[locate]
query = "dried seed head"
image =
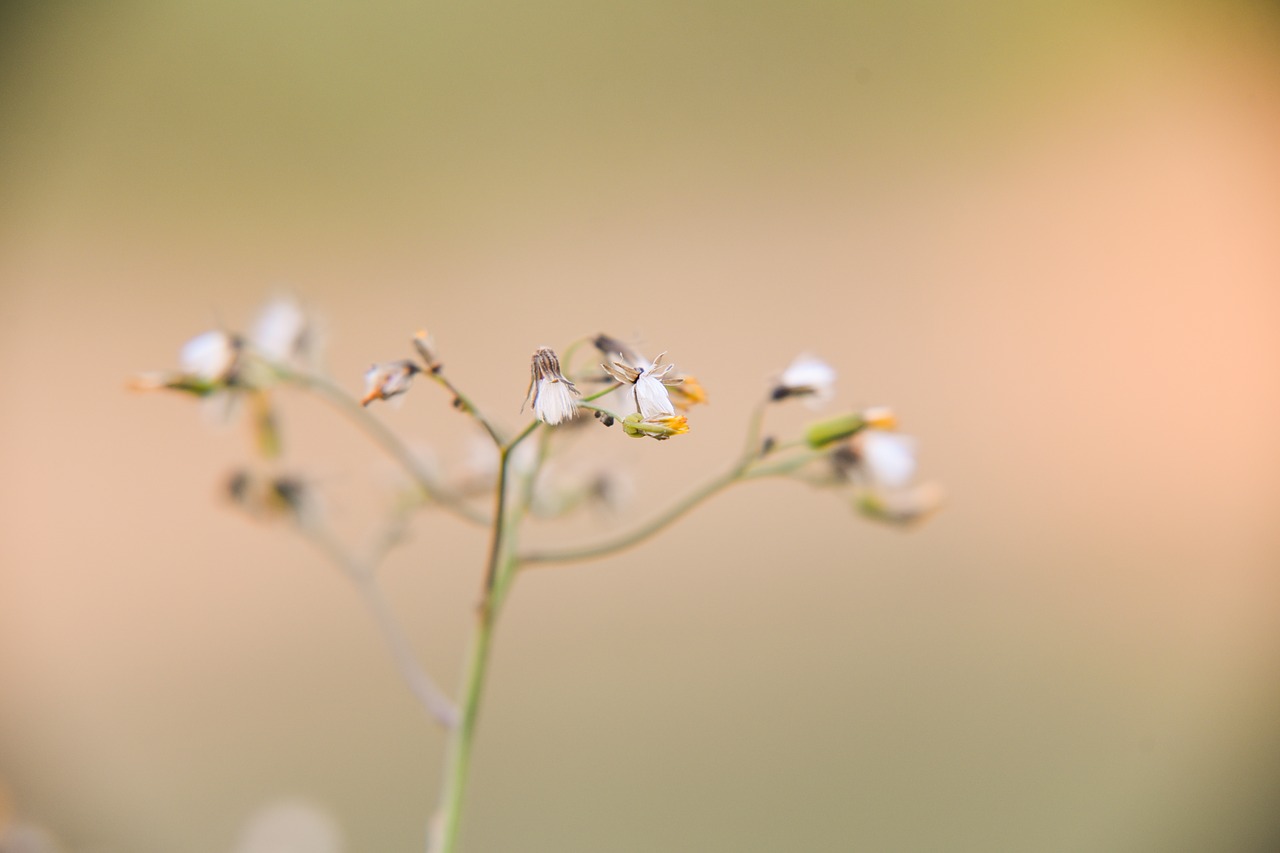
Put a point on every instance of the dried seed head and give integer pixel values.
(554, 398)
(387, 380)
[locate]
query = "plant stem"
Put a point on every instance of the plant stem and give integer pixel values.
(499, 572)
(444, 835)
(420, 684)
(463, 403)
(384, 437)
(361, 574)
(747, 468)
(641, 533)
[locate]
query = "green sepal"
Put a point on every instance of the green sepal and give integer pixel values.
(826, 432)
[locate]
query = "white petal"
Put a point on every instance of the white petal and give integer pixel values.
(809, 375)
(890, 458)
(910, 504)
(652, 398)
(279, 330)
(209, 356)
(554, 402)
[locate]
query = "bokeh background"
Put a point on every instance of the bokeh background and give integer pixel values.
(1048, 234)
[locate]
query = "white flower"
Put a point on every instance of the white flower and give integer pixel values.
(386, 380)
(807, 376)
(281, 331)
(901, 506)
(555, 399)
(888, 458)
(290, 826)
(648, 387)
(210, 356)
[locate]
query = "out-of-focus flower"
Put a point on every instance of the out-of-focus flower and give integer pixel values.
(210, 357)
(882, 465)
(612, 348)
(648, 386)
(688, 393)
(614, 490)
(426, 347)
(281, 333)
(290, 826)
(554, 398)
(807, 376)
(388, 379)
(888, 458)
(901, 506)
(661, 428)
(269, 497)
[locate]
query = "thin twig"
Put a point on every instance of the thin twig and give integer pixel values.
(362, 576)
(463, 402)
(385, 438)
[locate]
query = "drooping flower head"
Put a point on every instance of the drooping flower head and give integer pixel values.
(554, 398)
(807, 376)
(388, 379)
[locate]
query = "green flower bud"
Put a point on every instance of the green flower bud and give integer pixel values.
(826, 432)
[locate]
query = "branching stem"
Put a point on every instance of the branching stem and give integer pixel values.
(384, 437)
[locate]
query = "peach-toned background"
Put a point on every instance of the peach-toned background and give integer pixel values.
(1050, 239)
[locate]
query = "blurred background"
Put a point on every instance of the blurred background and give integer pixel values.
(1048, 234)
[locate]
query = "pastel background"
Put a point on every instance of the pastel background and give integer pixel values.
(1048, 234)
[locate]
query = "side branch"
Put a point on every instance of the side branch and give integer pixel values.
(641, 533)
(361, 575)
(385, 438)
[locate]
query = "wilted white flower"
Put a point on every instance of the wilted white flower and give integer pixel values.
(648, 387)
(554, 398)
(684, 389)
(210, 356)
(807, 376)
(386, 380)
(281, 332)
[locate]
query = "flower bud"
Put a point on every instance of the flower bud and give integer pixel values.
(827, 432)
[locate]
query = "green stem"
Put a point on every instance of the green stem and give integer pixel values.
(746, 469)
(444, 835)
(464, 404)
(498, 575)
(641, 533)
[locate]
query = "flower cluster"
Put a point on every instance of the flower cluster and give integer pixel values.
(863, 447)
(512, 480)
